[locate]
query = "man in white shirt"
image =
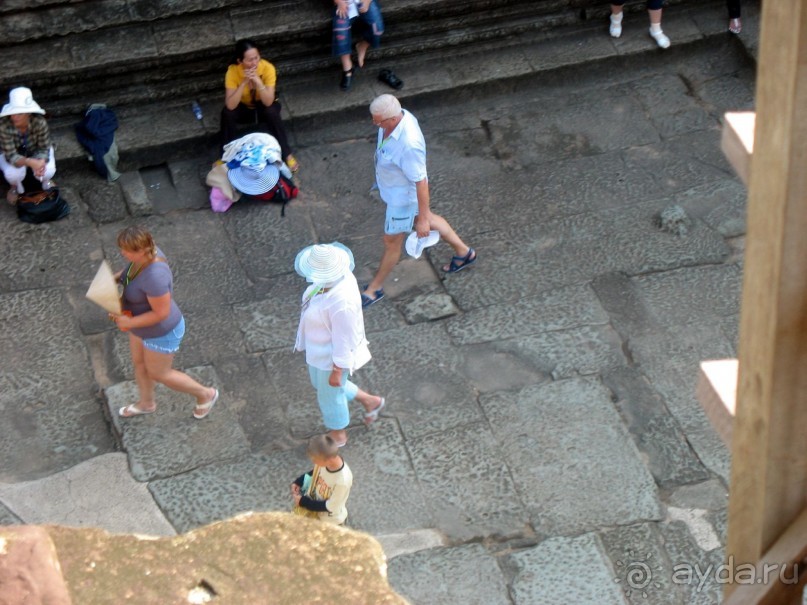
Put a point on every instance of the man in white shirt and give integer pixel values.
(400, 172)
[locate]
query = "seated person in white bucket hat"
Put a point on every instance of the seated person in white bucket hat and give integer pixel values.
(24, 143)
(331, 332)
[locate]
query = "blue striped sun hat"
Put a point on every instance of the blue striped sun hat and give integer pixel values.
(253, 182)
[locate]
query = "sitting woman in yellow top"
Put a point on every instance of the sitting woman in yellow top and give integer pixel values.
(249, 92)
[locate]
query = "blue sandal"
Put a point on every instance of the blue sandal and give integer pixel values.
(458, 263)
(366, 301)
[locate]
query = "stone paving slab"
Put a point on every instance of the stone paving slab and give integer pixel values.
(172, 441)
(43, 256)
(97, 493)
(642, 569)
(387, 495)
(395, 545)
(557, 437)
(48, 369)
(578, 351)
(721, 205)
(462, 575)
(558, 309)
(7, 517)
(675, 297)
(469, 486)
(560, 253)
(426, 393)
(564, 570)
(257, 482)
(654, 429)
(670, 359)
(693, 569)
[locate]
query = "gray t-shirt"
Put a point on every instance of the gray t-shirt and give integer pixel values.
(154, 280)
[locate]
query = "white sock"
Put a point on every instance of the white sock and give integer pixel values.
(616, 19)
(655, 28)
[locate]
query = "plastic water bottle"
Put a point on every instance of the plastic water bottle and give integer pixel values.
(197, 110)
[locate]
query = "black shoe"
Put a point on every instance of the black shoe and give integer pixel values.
(390, 79)
(347, 80)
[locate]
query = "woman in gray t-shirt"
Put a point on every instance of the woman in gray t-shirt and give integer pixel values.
(155, 325)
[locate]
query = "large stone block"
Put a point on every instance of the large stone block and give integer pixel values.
(564, 570)
(272, 558)
(558, 437)
(460, 575)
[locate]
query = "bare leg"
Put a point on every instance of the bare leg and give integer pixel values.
(369, 402)
(655, 16)
(158, 366)
(361, 51)
(145, 385)
(347, 62)
(392, 253)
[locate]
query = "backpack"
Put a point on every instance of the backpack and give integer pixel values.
(283, 192)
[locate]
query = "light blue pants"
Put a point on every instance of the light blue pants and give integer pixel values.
(333, 400)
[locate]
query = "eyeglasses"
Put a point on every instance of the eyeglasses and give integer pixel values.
(380, 122)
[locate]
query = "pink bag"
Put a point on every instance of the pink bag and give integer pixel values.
(218, 201)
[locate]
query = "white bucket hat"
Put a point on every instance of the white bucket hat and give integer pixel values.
(416, 245)
(324, 263)
(253, 182)
(20, 100)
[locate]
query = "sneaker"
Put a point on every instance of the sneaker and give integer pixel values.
(662, 40)
(615, 29)
(735, 25)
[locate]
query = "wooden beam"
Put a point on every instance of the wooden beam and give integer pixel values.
(769, 444)
(717, 393)
(778, 579)
(737, 141)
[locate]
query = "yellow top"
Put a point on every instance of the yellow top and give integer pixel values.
(235, 75)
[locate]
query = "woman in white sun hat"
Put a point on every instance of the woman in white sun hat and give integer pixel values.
(331, 332)
(24, 143)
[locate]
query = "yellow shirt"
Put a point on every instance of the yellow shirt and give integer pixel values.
(235, 75)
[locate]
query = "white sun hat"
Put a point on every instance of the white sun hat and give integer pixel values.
(20, 100)
(416, 245)
(324, 263)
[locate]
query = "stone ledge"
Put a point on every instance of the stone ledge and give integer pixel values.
(254, 558)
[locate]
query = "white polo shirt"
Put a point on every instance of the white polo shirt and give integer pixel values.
(400, 162)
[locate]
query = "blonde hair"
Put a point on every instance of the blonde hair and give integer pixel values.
(135, 239)
(322, 446)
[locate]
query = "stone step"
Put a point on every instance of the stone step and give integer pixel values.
(146, 51)
(155, 132)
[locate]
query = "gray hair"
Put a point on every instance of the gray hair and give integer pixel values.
(385, 106)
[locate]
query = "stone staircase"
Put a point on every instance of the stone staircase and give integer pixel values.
(149, 59)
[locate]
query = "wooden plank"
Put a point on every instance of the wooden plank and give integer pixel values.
(769, 457)
(783, 582)
(737, 141)
(717, 393)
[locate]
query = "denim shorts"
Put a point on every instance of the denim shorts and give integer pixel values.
(167, 343)
(400, 219)
(372, 27)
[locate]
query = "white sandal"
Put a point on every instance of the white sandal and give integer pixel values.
(205, 407)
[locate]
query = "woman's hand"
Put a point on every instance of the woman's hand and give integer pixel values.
(253, 77)
(295, 490)
(124, 322)
(37, 166)
(341, 8)
(364, 6)
(335, 379)
(296, 498)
